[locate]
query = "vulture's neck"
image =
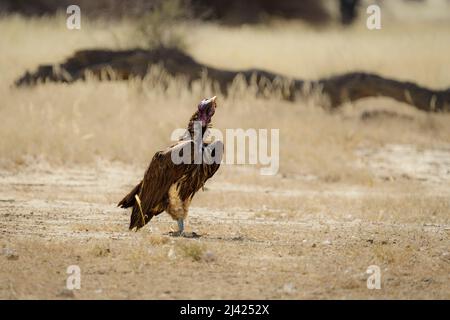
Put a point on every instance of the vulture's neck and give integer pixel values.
(190, 127)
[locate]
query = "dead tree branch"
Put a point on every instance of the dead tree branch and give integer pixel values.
(339, 89)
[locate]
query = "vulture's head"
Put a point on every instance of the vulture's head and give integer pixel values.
(206, 109)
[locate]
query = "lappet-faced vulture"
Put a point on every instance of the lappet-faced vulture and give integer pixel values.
(177, 173)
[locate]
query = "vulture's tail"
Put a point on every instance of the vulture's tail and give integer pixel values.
(130, 200)
(138, 219)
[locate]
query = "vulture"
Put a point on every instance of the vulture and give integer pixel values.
(177, 173)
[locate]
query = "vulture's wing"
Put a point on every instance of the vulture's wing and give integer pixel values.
(210, 169)
(196, 175)
(160, 175)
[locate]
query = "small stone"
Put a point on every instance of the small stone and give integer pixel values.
(209, 256)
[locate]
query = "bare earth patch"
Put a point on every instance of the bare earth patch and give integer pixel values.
(284, 237)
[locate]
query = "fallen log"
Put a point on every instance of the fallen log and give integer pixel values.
(122, 65)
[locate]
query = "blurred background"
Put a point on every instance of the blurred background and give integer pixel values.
(233, 12)
(304, 39)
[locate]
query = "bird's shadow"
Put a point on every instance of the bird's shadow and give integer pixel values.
(206, 236)
(188, 235)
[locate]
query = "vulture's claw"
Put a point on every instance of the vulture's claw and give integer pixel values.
(191, 235)
(176, 233)
(184, 234)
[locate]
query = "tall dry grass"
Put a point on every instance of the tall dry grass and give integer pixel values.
(129, 121)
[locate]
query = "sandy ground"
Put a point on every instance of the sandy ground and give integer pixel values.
(281, 237)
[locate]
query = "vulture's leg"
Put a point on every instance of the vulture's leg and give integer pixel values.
(185, 234)
(180, 225)
(180, 231)
(176, 210)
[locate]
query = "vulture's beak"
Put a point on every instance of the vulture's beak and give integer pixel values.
(212, 101)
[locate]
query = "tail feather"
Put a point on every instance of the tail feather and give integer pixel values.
(130, 200)
(138, 219)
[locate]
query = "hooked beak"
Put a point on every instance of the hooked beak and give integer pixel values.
(212, 101)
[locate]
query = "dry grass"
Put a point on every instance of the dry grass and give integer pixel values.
(193, 250)
(80, 123)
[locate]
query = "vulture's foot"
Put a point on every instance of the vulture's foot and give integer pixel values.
(184, 234)
(176, 233)
(191, 235)
(181, 232)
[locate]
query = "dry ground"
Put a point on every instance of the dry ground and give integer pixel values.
(278, 237)
(354, 189)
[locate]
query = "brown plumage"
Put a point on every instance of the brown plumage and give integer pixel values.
(170, 187)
